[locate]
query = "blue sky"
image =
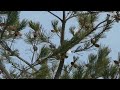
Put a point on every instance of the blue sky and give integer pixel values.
(45, 19)
(111, 40)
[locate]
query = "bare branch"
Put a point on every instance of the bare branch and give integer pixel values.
(55, 15)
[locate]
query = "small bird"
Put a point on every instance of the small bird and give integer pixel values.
(87, 65)
(66, 56)
(74, 65)
(53, 31)
(94, 43)
(116, 62)
(35, 34)
(35, 48)
(52, 46)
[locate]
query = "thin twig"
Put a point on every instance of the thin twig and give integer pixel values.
(12, 42)
(26, 62)
(71, 17)
(58, 35)
(55, 15)
(32, 57)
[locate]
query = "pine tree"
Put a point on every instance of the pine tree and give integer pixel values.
(84, 37)
(99, 65)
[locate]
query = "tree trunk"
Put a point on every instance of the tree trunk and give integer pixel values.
(58, 73)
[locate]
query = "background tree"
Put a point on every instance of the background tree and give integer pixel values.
(44, 51)
(98, 65)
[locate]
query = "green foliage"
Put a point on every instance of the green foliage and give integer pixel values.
(65, 74)
(12, 17)
(44, 72)
(84, 38)
(22, 25)
(29, 39)
(86, 21)
(44, 52)
(110, 72)
(38, 35)
(55, 25)
(72, 30)
(98, 66)
(78, 74)
(35, 26)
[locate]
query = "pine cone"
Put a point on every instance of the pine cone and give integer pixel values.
(17, 34)
(11, 28)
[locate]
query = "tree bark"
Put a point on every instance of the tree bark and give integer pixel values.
(58, 73)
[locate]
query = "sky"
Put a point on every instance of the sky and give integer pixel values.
(45, 19)
(111, 40)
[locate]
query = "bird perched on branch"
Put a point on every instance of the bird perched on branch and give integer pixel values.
(93, 41)
(52, 46)
(35, 48)
(117, 62)
(74, 65)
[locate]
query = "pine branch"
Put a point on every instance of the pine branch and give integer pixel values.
(26, 62)
(81, 38)
(5, 46)
(67, 48)
(3, 31)
(2, 68)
